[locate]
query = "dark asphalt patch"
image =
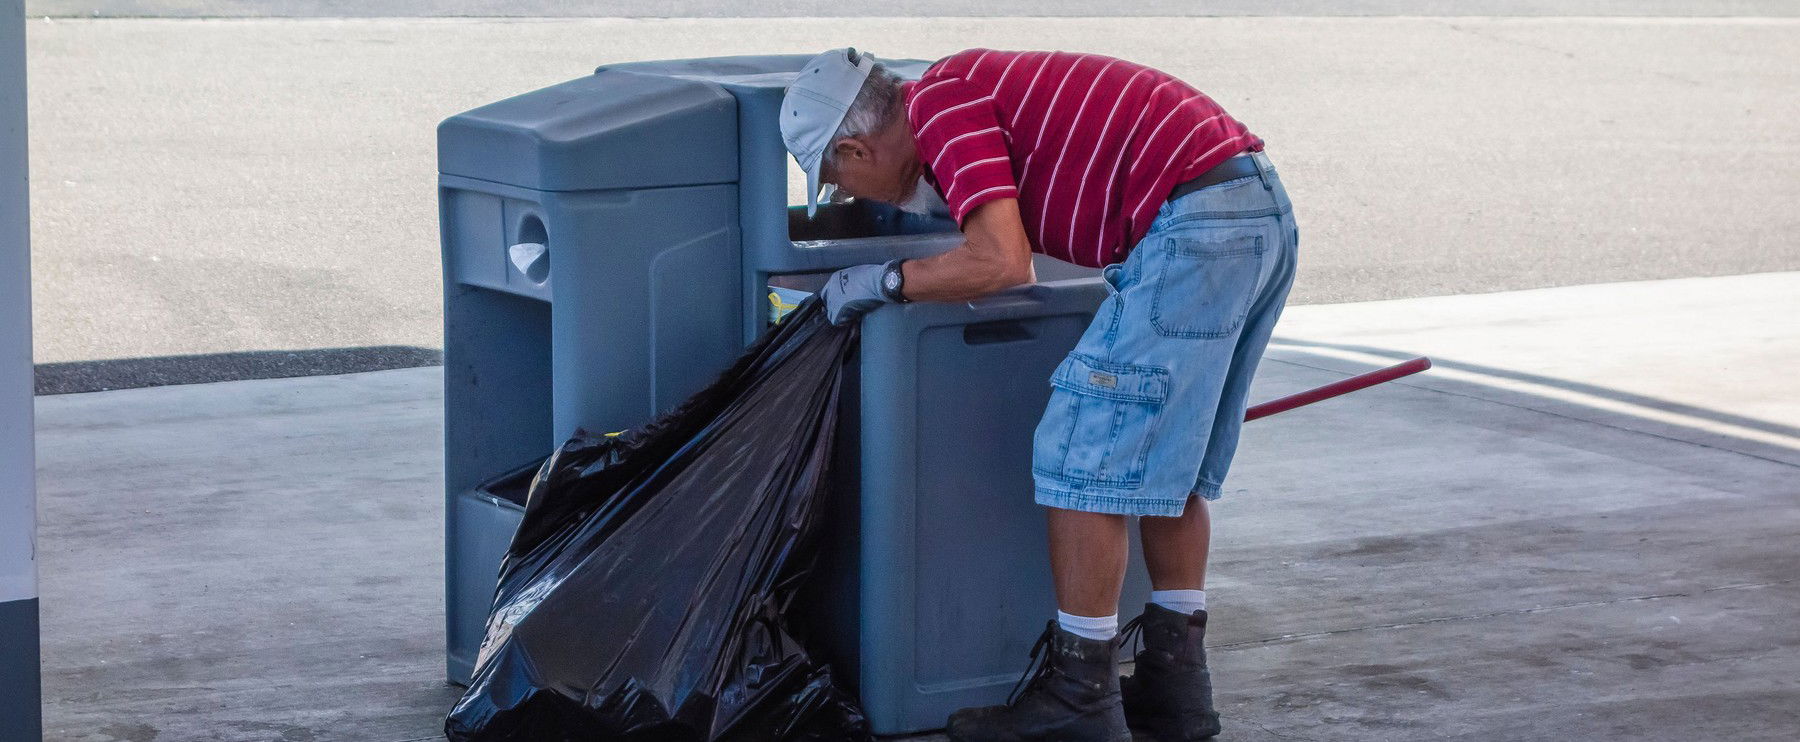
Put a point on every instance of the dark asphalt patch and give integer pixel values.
(132, 373)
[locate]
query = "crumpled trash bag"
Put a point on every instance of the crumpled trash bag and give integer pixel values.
(642, 596)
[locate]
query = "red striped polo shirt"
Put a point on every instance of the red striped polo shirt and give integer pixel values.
(1090, 145)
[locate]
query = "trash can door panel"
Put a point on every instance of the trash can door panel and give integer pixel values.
(649, 304)
(473, 238)
(983, 580)
(954, 561)
(481, 525)
(690, 347)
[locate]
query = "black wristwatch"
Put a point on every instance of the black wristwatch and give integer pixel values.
(893, 282)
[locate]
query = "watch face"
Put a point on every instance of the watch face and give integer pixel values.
(891, 280)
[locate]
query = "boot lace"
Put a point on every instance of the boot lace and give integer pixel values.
(1133, 634)
(1037, 670)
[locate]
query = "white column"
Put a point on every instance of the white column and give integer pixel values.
(19, 683)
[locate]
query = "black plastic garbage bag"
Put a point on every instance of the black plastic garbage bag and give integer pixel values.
(642, 597)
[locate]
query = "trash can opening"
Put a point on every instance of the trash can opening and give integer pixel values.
(787, 291)
(514, 485)
(530, 250)
(853, 219)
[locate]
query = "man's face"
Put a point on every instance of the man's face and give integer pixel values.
(882, 167)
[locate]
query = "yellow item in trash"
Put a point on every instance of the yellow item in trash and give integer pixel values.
(782, 301)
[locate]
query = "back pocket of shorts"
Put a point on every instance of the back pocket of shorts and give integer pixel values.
(1099, 423)
(1207, 282)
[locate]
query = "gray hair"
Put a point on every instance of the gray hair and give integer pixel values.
(875, 106)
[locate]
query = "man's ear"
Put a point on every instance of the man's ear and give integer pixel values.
(850, 148)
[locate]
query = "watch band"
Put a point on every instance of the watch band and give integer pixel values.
(893, 282)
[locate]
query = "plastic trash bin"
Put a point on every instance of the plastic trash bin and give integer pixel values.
(651, 203)
(935, 580)
(607, 247)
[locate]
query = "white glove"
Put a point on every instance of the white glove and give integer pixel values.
(853, 291)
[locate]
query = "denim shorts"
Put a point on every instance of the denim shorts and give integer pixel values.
(1145, 411)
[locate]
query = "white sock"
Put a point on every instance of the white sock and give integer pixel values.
(1180, 601)
(1092, 627)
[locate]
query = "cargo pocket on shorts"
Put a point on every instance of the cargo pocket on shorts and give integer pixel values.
(1207, 282)
(1099, 423)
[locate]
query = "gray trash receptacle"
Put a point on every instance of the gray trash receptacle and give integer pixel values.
(608, 243)
(936, 577)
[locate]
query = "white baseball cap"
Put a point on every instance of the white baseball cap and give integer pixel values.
(814, 108)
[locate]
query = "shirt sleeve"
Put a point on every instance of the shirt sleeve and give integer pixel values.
(956, 127)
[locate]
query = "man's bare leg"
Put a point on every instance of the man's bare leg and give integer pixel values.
(1170, 689)
(1175, 548)
(1088, 552)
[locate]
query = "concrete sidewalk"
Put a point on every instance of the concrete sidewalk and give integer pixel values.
(1581, 526)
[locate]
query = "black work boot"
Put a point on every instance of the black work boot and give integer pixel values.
(1073, 697)
(1170, 692)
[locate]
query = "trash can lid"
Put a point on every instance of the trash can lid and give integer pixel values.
(631, 125)
(613, 129)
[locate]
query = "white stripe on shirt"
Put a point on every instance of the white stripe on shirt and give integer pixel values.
(959, 171)
(1148, 196)
(962, 206)
(922, 89)
(971, 73)
(934, 117)
(1030, 87)
(1074, 125)
(1082, 191)
(1024, 173)
(1140, 158)
(953, 140)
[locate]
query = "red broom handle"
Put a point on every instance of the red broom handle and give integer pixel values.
(1346, 386)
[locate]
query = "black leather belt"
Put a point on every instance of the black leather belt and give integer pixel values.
(1237, 166)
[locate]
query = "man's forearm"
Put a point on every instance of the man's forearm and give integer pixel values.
(962, 274)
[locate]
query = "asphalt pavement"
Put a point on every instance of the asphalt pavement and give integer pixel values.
(232, 198)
